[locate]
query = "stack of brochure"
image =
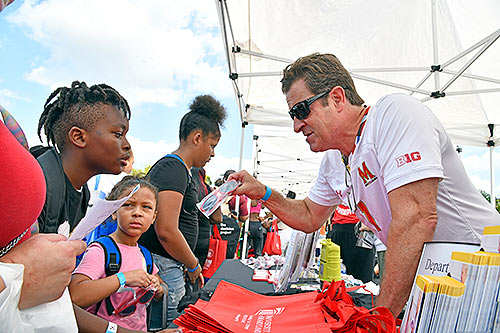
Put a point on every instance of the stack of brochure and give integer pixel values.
(491, 239)
(434, 304)
(479, 272)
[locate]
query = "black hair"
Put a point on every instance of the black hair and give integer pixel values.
(227, 174)
(129, 182)
(77, 106)
(205, 113)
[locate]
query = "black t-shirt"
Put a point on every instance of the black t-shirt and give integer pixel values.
(74, 206)
(229, 230)
(204, 226)
(170, 174)
(76, 203)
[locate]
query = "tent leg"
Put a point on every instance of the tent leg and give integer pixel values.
(240, 165)
(492, 177)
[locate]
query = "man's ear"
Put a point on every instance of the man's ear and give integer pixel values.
(78, 136)
(113, 216)
(337, 94)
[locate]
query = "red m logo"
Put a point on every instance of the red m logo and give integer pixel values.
(365, 174)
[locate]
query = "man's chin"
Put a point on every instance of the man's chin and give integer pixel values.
(316, 148)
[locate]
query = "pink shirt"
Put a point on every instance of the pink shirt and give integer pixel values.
(92, 265)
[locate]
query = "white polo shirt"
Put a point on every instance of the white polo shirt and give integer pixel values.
(403, 142)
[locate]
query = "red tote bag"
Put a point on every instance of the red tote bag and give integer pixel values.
(273, 240)
(217, 249)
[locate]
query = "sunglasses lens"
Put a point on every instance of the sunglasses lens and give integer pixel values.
(127, 311)
(301, 111)
(146, 297)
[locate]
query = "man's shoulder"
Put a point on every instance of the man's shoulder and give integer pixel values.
(396, 103)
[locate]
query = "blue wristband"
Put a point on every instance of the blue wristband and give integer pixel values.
(121, 278)
(194, 269)
(267, 195)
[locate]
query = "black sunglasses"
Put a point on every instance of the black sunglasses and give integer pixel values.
(301, 110)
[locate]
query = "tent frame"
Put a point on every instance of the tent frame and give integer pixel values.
(440, 90)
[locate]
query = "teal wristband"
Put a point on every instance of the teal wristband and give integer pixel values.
(267, 195)
(121, 278)
(194, 269)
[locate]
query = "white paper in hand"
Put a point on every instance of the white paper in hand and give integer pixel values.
(97, 214)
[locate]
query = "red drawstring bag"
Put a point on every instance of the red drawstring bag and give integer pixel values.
(343, 316)
(273, 240)
(217, 249)
(235, 309)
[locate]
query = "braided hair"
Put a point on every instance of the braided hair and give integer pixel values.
(77, 106)
(206, 113)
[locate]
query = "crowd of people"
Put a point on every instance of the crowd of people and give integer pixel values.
(160, 239)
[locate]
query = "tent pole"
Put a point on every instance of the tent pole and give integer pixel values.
(492, 177)
(435, 43)
(240, 165)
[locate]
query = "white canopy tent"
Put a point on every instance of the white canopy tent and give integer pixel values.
(443, 52)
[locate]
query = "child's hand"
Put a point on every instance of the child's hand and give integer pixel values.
(138, 278)
(157, 286)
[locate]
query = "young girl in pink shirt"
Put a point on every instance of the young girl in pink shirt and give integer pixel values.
(90, 286)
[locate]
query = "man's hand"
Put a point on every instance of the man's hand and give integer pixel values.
(250, 186)
(49, 260)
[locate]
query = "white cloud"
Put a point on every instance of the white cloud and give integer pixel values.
(7, 97)
(148, 50)
(477, 165)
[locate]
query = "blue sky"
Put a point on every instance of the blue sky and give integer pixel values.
(159, 54)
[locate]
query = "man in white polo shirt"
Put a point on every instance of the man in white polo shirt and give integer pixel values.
(398, 171)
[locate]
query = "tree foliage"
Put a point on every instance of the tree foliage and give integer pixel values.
(143, 172)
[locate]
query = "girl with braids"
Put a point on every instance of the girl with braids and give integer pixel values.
(86, 127)
(172, 238)
(93, 288)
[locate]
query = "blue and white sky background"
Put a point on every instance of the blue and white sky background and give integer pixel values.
(159, 54)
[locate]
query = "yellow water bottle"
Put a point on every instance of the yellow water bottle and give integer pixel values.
(329, 266)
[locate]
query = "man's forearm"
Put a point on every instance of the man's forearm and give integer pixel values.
(404, 247)
(294, 213)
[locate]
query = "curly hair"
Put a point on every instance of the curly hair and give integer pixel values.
(206, 113)
(129, 182)
(320, 72)
(77, 106)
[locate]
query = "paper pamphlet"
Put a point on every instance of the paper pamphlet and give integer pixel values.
(97, 214)
(214, 199)
(435, 261)
(434, 304)
(490, 241)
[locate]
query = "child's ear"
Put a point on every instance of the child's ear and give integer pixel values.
(154, 217)
(77, 136)
(197, 137)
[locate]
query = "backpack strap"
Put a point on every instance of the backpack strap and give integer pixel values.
(112, 255)
(53, 171)
(112, 264)
(148, 257)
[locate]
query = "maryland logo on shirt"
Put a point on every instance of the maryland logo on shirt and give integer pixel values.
(366, 175)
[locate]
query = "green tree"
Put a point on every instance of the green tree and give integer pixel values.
(136, 172)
